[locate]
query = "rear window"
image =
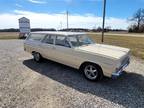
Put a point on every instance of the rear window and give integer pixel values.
(36, 37)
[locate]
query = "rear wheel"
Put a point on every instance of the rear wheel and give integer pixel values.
(37, 57)
(92, 72)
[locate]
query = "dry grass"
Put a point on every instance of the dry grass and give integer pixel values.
(120, 34)
(136, 44)
(8, 35)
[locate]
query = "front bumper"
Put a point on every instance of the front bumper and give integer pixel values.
(120, 71)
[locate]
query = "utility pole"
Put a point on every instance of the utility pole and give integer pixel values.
(67, 20)
(103, 25)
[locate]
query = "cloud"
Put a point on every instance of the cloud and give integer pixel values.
(48, 20)
(18, 5)
(37, 1)
(22, 12)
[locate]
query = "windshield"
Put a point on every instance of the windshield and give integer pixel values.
(80, 40)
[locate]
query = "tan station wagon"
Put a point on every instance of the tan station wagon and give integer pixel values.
(77, 50)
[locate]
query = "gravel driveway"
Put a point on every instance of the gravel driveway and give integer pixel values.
(26, 84)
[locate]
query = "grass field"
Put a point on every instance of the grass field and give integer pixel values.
(136, 44)
(120, 34)
(9, 35)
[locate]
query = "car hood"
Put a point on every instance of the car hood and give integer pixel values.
(106, 50)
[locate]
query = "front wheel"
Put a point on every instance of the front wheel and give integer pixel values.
(92, 72)
(37, 57)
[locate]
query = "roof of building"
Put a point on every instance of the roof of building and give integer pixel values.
(23, 18)
(59, 33)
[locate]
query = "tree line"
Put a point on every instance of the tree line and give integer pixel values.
(33, 29)
(99, 29)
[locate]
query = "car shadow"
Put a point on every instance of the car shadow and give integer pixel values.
(127, 90)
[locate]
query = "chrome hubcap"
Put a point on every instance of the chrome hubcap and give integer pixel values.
(91, 72)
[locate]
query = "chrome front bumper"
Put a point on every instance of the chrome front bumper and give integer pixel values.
(120, 71)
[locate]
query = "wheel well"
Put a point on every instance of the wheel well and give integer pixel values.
(87, 62)
(33, 52)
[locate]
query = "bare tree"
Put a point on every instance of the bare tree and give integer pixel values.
(138, 18)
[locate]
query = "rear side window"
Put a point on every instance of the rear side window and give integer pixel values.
(62, 41)
(49, 39)
(36, 37)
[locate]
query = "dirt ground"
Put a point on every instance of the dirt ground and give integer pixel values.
(27, 84)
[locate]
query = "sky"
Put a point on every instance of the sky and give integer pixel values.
(82, 13)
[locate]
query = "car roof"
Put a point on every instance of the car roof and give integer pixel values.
(58, 33)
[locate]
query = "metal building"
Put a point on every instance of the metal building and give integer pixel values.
(24, 27)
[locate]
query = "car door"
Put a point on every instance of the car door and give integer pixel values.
(48, 46)
(64, 52)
